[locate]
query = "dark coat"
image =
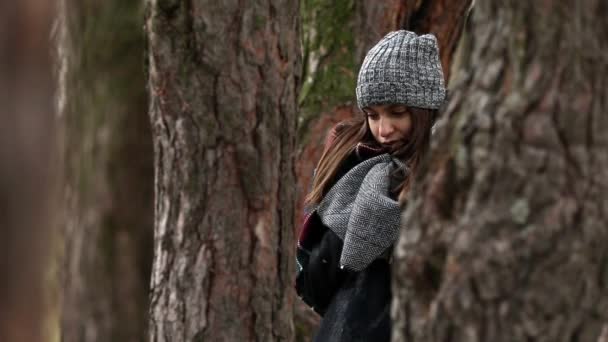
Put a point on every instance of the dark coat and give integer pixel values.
(355, 306)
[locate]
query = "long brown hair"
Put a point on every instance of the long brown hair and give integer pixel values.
(350, 133)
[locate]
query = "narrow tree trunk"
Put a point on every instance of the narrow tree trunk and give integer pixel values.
(109, 169)
(223, 79)
(28, 170)
(505, 236)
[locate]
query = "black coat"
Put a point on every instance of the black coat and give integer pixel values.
(355, 306)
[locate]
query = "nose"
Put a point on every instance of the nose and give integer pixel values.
(386, 128)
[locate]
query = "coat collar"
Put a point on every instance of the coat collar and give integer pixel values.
(365, 151)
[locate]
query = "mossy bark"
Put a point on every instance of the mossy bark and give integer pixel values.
(108, 170)
(504, 234)
(223, 82)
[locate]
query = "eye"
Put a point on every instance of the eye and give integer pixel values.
(372, 116)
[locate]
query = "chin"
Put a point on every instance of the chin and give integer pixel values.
(394, 144)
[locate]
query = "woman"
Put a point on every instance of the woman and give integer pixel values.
(361, 181)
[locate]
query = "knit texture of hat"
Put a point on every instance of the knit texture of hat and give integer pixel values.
(403, 68)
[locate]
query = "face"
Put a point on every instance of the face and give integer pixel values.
(389, 123)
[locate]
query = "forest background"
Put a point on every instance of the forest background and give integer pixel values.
(154, 155)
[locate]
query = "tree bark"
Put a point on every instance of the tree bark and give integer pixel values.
(505, 231)
(223, 81)
(108, 171)
(443, 18)
(28, 170)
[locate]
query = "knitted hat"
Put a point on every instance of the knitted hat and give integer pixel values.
(402, 68)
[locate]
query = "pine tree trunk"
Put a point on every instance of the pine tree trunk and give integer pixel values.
(109, 171)
(504, 235)
(223, 80)
(28, 170)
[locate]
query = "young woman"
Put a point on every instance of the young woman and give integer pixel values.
(362, 180)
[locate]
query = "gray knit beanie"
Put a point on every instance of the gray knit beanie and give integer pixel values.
(402, 68)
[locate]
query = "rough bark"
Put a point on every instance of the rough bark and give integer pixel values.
(505, 232)
(374, 19)
(28, 169)
(444, 18)
(108, 155)
(223, 80)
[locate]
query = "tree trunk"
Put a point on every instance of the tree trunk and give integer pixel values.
(109, 169)
(28, 170)
(223, 80)
(505, 232)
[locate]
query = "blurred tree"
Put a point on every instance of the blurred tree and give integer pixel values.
(108, 225)
(505, 234)
(223, 81)
(28, 169)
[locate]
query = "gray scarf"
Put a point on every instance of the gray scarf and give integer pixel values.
(359, 210)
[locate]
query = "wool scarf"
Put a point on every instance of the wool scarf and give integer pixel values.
(360, 211)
